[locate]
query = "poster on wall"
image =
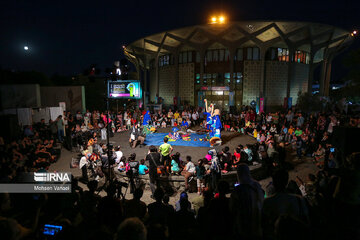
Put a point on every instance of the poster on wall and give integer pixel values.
(261, 105)
(231, 98)
(55, 112)
(128, 89)
(257, 105)
(289, 102)
(62, 105)
(201, 97)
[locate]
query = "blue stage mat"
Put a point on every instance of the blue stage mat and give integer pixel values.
(157, 139)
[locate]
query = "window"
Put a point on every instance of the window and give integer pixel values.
(249, 54)
(209, 56)
(184, 57)
(189, 57)
(221, 55)
(283, 54)
(238, 78)
(171, 59)
(256, 53)
(239, 55)
(216, 55)
(227, 55)
(301, 57)
(213, 78)
(197, 57)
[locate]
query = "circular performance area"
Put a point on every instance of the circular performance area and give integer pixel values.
(236, 63)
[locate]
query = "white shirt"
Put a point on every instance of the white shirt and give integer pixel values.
(83, 161)
(194, 116)
(190, 167)
(119, 155)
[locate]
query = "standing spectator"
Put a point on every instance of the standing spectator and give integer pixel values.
(200, 174)
(133, 171)
(289, 117)
(300, 121)
(159, 213)
(195, 117)
(245, 204)
(215, 170)
(189, 171)
(153, 158)
(60, 127)
(281, 203)
(135, 207)
(165, 150)
(83, 165)
(219, 211)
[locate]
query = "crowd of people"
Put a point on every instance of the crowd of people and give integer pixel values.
(325, 205)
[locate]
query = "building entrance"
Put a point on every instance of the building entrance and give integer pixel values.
(221, 97)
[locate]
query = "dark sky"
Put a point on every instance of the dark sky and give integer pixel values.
(65, 37)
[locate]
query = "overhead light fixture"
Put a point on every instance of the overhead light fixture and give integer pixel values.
(218, 19)
(221, 19)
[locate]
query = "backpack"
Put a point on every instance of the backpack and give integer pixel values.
(244, 156)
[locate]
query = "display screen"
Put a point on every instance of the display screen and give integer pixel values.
(124, 89)
(51, 229)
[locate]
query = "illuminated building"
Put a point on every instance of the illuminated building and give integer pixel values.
(234, 63)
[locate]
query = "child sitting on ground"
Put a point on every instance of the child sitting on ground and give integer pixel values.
(200, 173)
(122, 165)
(175, 166)
(163, 124)
(143, 169)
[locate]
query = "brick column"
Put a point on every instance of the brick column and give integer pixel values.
(290, 71)
(157, 74)
(176, 63)
(202, 65)
(262, 73)
(322, 77)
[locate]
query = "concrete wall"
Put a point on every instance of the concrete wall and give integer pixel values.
(299, 80)
(276, 82)
(20, 96)
(73, 96)
(252, 75)
(152, 84)
(167, 83)
(186, 82)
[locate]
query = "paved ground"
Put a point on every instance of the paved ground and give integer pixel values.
(301, 169)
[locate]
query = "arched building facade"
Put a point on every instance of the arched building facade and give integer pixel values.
(234, 63)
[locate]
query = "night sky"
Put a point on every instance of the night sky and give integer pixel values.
(65, 37)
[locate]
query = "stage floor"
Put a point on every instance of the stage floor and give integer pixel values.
(194, 140)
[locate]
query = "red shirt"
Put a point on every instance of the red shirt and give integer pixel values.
(237, 156)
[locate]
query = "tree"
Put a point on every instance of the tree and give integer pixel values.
(352, 62)
(307, 102)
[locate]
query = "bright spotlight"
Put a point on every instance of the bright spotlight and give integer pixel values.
(213, 19)
(354, 33)
(221, 19)
(26, 48)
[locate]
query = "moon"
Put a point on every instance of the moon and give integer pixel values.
(26, 48)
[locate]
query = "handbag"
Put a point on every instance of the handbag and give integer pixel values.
(159, 168)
